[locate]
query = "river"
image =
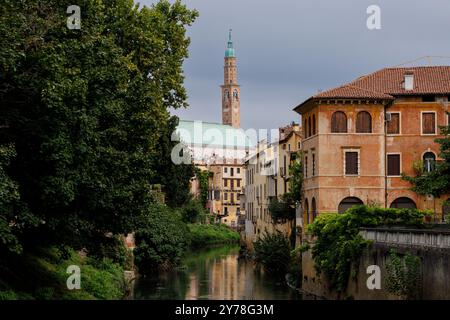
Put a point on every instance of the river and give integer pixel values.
(214, 273)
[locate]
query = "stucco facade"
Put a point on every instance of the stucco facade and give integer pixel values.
(359, 138)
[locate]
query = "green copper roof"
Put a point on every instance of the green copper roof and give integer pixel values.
(230, 49)
(212, 134)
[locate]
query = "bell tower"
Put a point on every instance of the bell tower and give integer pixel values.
(231, 92)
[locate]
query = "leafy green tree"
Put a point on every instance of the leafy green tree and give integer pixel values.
(296, 179)
(273, 252)
(175, 178)
(193, 212)
(436, 182)
(85, 110)
(15, 217)
(161, 239)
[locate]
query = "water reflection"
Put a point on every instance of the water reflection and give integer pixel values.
(216, 273)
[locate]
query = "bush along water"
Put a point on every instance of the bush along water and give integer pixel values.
(273, 253)
(337, 244)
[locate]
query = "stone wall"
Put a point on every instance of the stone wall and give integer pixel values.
(432, 246)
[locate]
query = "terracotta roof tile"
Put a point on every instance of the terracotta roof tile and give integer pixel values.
(388, 83)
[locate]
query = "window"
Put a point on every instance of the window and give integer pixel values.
(232, 197)
(351, 163)
(232, 183)
(429, 160)
(225, 196)
(306, 167)
(309, 127)
(306, 128)
(225, 169)
(238, 170)
(313, 164)
(299, 146)
(364, 122)
(231, 171)
(225, 182)
(289, 147)
(393, 164)
(239, 183)
(428, 123)
(339, 122)
(393, 126)
(314, 124)
(235, 95)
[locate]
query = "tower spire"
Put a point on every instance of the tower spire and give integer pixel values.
(230, 47)
(231, 91)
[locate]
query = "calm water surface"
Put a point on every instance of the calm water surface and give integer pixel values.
(215, 273)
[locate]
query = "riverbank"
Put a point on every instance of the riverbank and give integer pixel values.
(205, 235)
(42, 275)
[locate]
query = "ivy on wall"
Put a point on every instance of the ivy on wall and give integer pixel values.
(404, 275)
(338, 245)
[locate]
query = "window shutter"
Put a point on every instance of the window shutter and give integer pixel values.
(363, 122)
(393, 126)
(351, 163)
(393, 164)
(339, 122)
(428, 123)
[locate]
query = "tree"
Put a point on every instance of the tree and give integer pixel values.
(85, 110)
(175, 178)
(436, 182)
(296, 179)
(161, 239)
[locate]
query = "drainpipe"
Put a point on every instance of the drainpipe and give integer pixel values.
(386, 106)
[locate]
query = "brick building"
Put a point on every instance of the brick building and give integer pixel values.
(360, 137)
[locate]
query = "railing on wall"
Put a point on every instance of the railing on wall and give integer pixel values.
(433, 238)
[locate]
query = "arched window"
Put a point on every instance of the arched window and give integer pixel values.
(306, 128)
(314, 124)
(307, 211)
(339, 122)
(364, 122)
(403, 203)
(429, 160)
(235, 95)
(349, 202)
(313, 209)
(309, 127)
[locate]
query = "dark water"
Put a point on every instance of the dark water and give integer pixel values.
(215, 273)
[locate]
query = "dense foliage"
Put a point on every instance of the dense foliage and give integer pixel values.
(83, 115)
(337, 244)
(161, 239)
(194, 212)
(41, 274)
(404, 275)
(174, 178)
(273, 252)
(296, 178)
(436, 182)
(282, 209)
(203, 180)
(211, 234)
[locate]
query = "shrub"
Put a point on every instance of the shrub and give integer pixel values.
(161, 239)
(193, 212)
(338, 244)
(211, 234)
(273, 252)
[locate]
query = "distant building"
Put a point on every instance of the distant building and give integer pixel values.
(221, 149)
(360, 137)
(267, 178)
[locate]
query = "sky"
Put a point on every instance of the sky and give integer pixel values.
(288, 50)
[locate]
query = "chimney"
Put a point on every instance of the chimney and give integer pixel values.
(409, 80)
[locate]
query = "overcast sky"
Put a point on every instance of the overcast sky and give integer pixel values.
(287, 50)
